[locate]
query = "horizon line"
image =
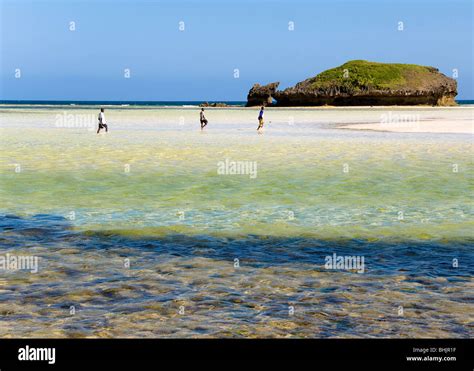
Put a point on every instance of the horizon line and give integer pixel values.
(139, 101)
(113, 101)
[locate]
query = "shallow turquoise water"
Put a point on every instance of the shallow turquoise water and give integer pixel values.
(149, 191)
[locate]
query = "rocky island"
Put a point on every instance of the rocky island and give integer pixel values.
(363, 83)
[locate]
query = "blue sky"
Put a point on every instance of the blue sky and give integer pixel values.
(219, 36)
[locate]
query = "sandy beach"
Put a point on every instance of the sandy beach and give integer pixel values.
(462, 126)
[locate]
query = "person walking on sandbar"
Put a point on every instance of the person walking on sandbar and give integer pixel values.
(102, 124)
(260, 119)
(202, 119)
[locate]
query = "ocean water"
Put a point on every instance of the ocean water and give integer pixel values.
(139, 104)
(139, 235)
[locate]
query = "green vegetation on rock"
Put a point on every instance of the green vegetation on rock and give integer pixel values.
(363, 75)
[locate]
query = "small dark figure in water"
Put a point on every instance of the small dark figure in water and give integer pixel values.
(203, 119)
(102, 124)
(260, 119)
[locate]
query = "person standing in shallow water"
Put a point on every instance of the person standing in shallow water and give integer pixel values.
(260, 119)
(203, 119)
(102, 124)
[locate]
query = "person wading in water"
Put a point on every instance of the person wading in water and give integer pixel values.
(260, 119)
(203, 119)
(102, 124)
